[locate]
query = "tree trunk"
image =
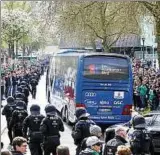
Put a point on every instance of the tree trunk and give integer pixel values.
(16, 49)
(158, 39)
(93, 45)
(106, 48)
(12, 50)
(9, 50)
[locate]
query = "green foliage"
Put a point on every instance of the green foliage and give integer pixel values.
(106, 21)
(22, 26)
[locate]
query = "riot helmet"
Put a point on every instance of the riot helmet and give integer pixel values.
(10, 100)
(23, 83)
(19, 95)
(81, 112)
(20, 89)
(138, 122)
(35, 109)
(50, 109)
(20, 105)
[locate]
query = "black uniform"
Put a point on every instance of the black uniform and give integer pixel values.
(50, 127)
(7, 111)
(7, 85)
(25, 84)
(14, 84)
(21, 97)
(32, 123)
(81, 128)
(139, 137)
(33, 83)
(17, 119)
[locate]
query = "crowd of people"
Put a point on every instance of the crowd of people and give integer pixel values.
(146, 86)
(11, 79)
(42, 133)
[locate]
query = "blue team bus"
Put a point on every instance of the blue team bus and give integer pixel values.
(102, 83)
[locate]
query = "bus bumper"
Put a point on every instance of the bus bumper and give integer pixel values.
(111, 119)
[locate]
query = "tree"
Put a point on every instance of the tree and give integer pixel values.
(91, 20)
(15, 25)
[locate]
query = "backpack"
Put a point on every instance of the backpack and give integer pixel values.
(20, 118)
(140, 138)
(36, 135)
(82, 126)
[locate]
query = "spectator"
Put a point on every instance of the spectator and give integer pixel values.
(2, 86)
(153, 98)
(62, 150)
(93, 146)
(142, 89)
(95, 130)
(123, 150)
(6, 152)
(136, 96)
(119, 139)
(19, 146)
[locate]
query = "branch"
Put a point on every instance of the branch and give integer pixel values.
(80, 10)
(120, 33)
(93, 30)
(150, 6)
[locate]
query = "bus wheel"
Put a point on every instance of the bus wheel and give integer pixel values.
(67, 118)
(63, 115)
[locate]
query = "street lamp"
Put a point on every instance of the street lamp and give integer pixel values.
(143, 39)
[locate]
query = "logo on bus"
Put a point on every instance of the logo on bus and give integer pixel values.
(118, 95)
(90, 94)
(118, 102)
(103, 102)
(90, 102)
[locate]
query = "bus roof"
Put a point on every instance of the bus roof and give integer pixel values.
(75, 52)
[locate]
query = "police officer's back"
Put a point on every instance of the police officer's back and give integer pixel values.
(139, 136)
(81, 128)
(50, 127)
(32, 122)
(7, 111)
(33, 84)
(18, 117)
(20, 96)
(9, 108)
(33, 81)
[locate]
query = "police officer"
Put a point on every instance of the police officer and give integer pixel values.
(81, 128)
(21, 97)
(32, 122)
(14, 83)
(50, 127)
(17, 119)
(19, 89)
(25, 84)
(34, 84)
(138, 136)
(7, 111)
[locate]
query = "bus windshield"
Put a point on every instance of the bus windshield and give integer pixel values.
(106, 68)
